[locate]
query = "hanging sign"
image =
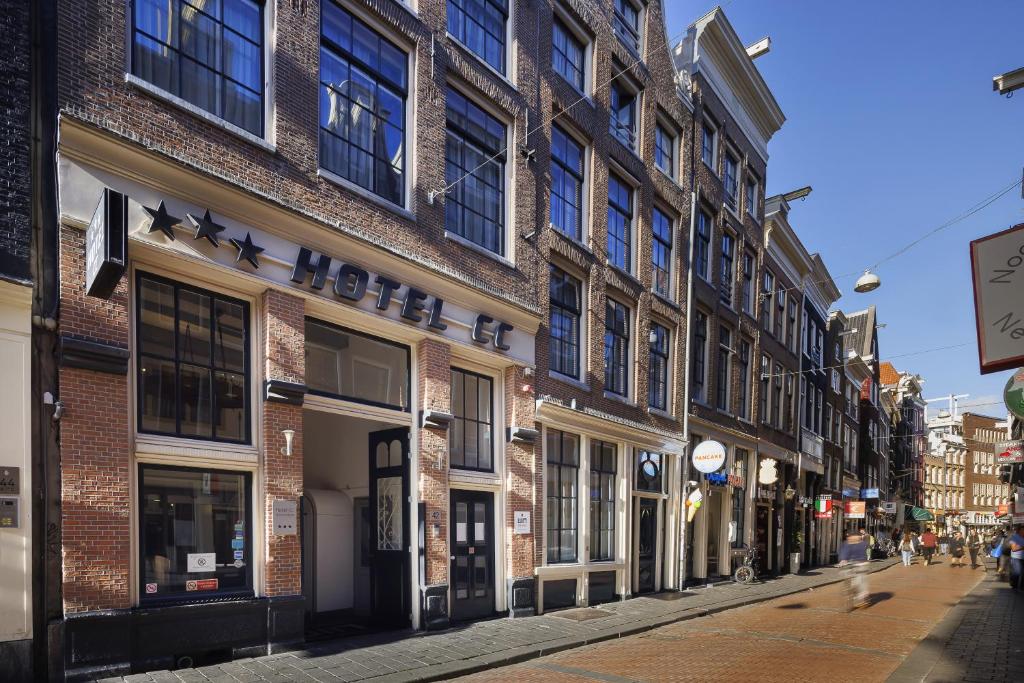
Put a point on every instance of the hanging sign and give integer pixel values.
(854, 509)
(768, 472)
(1008, 452)
(717, 478)
(823, 507)
(735, 481)
(997, 269)
(708, 456)
(1013, 394)
(890, 508)
(869, 493)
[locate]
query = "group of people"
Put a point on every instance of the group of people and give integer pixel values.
(957, 546)
(1008, 549)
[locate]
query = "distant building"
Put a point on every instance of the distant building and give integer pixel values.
(983, 492)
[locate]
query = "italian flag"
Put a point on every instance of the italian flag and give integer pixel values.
(823, 505)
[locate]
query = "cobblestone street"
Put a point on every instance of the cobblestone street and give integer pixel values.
(803, 637)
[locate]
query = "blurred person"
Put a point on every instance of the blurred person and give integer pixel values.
(853, 558)
(974, 547)
(1017, 558)
(928, 543)
(956, 549)
(907, 550)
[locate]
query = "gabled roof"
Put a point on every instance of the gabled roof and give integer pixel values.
(887, 374)
(860, 341)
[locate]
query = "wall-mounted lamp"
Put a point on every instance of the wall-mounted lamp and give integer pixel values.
(289, 438)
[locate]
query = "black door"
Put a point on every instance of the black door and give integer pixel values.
(472, 557)
(762, 540)
(647, 545)
(389, 527)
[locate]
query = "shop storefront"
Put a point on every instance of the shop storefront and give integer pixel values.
(275, 431)
(610, 508)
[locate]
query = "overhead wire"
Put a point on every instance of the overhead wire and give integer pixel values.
(843, 365)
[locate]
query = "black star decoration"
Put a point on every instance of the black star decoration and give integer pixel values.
(162, 221)
(205, 227)
(247, 250)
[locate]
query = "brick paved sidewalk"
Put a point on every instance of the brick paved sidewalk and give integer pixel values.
(461, 650)
(981, 639)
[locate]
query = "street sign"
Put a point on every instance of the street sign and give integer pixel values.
(708, 456)
(854, 509)
(1013, 394)
(1008, 452)
(997, 269)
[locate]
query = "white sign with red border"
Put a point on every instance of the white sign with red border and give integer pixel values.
(997, 269)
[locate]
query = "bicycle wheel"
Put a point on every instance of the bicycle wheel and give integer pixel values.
(744, 575)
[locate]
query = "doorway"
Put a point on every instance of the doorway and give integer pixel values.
(472, 556)
(762, 536)
(714, 533)
(647, 544)
(389, 529)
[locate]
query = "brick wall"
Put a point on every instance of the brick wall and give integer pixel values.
(433, 360)
(523, 472)
(15, 139)
(284, 355)
(95, 446)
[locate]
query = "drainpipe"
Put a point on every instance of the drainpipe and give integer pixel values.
(684, 525)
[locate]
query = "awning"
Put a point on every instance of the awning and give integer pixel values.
(922, 515)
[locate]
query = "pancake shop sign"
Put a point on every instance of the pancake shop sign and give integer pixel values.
(997, 268)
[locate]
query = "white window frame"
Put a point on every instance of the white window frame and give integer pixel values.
(574, 27)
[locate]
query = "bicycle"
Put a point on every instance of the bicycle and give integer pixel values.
(746, 573)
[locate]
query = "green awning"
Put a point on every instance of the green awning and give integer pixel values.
(922, 515)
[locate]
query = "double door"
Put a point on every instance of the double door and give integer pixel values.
(472, 554)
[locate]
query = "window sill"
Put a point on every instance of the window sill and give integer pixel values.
(621, 399)
(571, 381)
(626, 146)
(668, 176)
(480, 60)
(154, 444)
(583, 94)
(661, 413)
(731, 208)
(178, 102)
(473, 477)
(724, 412)
(746, 421)
(579, 244)
(363, 193)
(711, 168)
(629, 276)
(477, 248)
(668, 301)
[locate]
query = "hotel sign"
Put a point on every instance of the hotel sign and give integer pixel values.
(106, 243)
(997, 269)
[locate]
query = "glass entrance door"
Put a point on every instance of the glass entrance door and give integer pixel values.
(714, 532)
(647, 544)
(472, 558)
(389, 530)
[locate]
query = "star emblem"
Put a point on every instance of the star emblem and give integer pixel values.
(162, 221)
(247, 250)
(205, 227)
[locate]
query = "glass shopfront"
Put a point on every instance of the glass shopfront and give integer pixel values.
(196, 537)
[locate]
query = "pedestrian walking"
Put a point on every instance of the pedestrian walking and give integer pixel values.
(956, 549)
(853, 558)
(928, 543)
(1017, 558)
(907, 550)
(944, 544)
(973, 547)
(1000, 554)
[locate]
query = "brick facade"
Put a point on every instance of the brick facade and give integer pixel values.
(434, 378)
(525, 489)
(15, 143)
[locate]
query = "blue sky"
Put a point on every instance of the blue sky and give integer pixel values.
(892, 119)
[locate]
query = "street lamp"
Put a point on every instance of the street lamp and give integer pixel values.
(867, 282)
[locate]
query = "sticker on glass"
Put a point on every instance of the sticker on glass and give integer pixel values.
(202, 562)
(151, 588)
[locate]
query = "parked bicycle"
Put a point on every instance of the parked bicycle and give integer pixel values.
(747, 572)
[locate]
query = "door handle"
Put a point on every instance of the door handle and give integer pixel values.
(453, 558)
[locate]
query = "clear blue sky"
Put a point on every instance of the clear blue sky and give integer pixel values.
(892, 119)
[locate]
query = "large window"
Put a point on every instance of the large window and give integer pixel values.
(665, 150)
(657, 386)
(661, 253)
(744, 409)
(475, 170)
(777, 397)
(627, 24)
(603, 468)
(730, 179)
(470, 439)
(767, 289)
(788, 410)
(195, 534)
(780, 310)
(566, 307)
(207, 52)
(623, 113)
(699, 354)
(193, 362)
(568, 55)
(349, 365)
(739, 500)
(707, 145)
(363, 88)
(480, 26)
(752, 197)
(702, 248)
(620, 223)
(616, 348)
(728, 268)
(724, 368)
(747, 296)
(563, 463)
(791, 334)
(766, 378)
(566, 184)
(650, 474)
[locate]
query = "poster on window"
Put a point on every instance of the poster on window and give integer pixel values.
(854, 509)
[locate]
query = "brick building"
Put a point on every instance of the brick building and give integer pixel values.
(945, 468)
(17, 512)
(306, 399)
(909, 440)
(983, 492)
(735, 116)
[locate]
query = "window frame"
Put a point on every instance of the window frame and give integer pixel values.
(628, 214)
(767, 297)
(506, 38)
(699, 357)
(709, 130)
(451, 429)
(247, 349)
(619, 86)
(200, 596)
(634, 34)
(747, 289)
(702, 246)
(666, 245)
(550, 469)
(727, 267)
(626, 340)
(403, 91)
(753, 198)
(731, 198)
(664, 381)
(592, 555)
(664, 132)
(744, 360)
(723, 370)
(265, 66)
(580, 176)
(566, 25)
(507, 168)
(765, 389)
(579, 320)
